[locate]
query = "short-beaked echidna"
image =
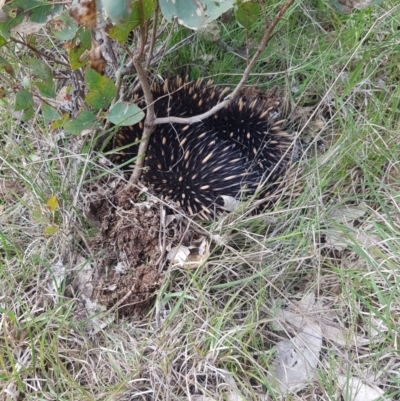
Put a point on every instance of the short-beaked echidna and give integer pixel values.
(233, 153)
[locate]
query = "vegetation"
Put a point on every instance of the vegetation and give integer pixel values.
(319, 270)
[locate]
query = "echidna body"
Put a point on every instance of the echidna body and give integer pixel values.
(230, 153)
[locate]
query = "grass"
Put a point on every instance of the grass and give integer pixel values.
(211, 331)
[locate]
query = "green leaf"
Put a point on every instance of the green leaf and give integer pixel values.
(34, 11)
(9, 23)
(66, 28)
(51, 229)
(3, 41)
(46, 88)
(80, 44)
(101, 89)
(121, 32)
(23, 100)
(52, 203)
(124, 113)
(117, 10)
(247, 14)
(24, 103)
(60, 122)
(84, 121)
(50, 113)
(39, 68)
(40, 14)
(194, 14)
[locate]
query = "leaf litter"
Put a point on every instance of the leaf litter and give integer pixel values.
(342, 233)
(296, 362)
(136, 244)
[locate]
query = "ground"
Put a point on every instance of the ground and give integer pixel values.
(108, 293)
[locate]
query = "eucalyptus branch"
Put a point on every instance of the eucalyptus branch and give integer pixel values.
(153, 38)
(150, 115)
(151, 120)
(264, 41)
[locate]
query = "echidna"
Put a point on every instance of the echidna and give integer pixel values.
(234, 153)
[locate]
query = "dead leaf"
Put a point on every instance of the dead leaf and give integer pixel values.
(296, 360)
(233, 392)
(83, 281)
(296, 315)
(191, 255)
(347, 6)
(300, 314)
(9, 188)
(96, 60)
(340, 240)
(230, 204)
(58, 274)
(11, 392)
(353, 389)
(63, 94)
(85, 13)
(334, 332)
(28, 27)
(348, 213)
(179, 254)
(93, 318)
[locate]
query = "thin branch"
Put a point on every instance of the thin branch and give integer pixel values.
(153, 38)
(235, 92)
(151, 121)
(46, 56)
(150, 115)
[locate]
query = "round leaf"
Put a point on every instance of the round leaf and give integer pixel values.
(194, 13)
(83, 122)
(118, 10)
(125, 114)
(247, 14)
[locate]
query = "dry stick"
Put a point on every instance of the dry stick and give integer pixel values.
(46, 56)
(151, 121)
(153, 38)
(121, 301)
(150, 115)
(246, 73)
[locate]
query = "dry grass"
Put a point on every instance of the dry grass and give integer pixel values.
(212, 332)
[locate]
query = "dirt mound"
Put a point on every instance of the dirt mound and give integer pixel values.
(128, 241)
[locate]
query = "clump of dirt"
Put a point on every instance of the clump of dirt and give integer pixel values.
(132, 294)
(128, 275)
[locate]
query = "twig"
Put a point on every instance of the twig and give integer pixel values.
(47, 56)
(120, 302)
(151, 120)
(246, 73)
(153, 38)
(150, 115)
(148, 123)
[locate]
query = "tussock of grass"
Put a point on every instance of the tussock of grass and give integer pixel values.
(211, 327)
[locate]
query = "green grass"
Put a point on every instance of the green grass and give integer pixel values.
(211, 330)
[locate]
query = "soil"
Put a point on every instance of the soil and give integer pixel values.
(127, 248)
(128, 239)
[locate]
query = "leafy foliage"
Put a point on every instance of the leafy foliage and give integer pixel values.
(31, 16)
(194, 14)
(123, 113)
(101, 89)
(121, 31)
